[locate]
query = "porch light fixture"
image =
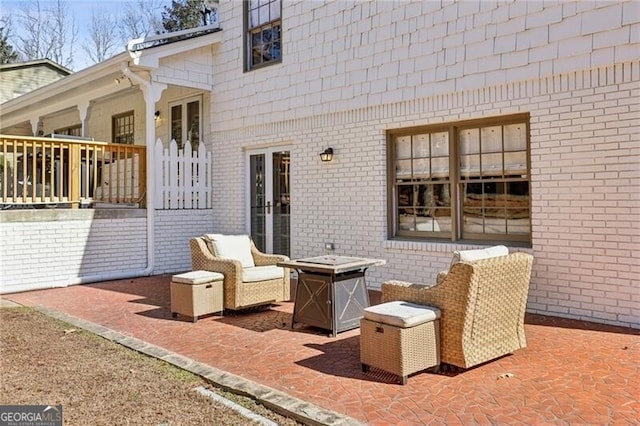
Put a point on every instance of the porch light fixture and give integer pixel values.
(326, 155)
(122, 78)
(156, 116)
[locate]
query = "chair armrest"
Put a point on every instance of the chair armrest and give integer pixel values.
(224, 266)
(263, 259)
(449, 294)
(441, 276)
(399, 290)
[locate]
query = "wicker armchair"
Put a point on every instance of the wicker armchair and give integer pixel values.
(238, 292)
(482, 306)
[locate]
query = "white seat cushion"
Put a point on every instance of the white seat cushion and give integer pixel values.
(471, 255)
(236, 247)
(197, 277)
(401, 314)
(262, 273)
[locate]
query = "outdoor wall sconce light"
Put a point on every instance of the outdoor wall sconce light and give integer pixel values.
(156, 116)
(326, 155)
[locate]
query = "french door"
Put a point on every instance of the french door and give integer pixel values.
(268, 199)
(185, 121)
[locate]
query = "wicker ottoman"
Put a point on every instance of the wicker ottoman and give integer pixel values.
(196, 293)
(400, 338)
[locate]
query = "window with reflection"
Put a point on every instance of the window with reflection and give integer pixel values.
(263, 33)
(75, 130)
(461, 181)
(122, 128)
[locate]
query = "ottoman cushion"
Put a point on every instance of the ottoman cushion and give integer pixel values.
(197, 277)
(401, 314)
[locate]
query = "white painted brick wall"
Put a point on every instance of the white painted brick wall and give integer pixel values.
(350, 71)
(55, 251)
(173, 228)
(585, 180)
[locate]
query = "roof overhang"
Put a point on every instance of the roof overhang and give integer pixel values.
(64, 93)
(97, 80)
(36, 63)
(147, 52)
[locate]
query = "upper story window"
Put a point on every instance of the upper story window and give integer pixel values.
(461, 181)
(263, 33)
(122, 128)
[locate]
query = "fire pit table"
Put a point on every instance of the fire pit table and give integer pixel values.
(331, 293)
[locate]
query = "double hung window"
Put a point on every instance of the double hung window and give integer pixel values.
(70, 131)
(122, 126)
(461, 181)
(263, 33)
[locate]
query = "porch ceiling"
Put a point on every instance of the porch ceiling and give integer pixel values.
(81, 87)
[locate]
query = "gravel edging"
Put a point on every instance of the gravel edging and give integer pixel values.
(280, 402)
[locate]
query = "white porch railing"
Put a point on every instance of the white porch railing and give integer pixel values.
(183, 177)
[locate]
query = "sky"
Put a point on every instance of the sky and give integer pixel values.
(81, 10)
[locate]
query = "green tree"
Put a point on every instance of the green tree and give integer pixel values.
(182, 14)
(7, 54)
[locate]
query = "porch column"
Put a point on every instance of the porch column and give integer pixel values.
(152, 91)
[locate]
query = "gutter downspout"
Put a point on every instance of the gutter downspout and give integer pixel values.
(151, 93)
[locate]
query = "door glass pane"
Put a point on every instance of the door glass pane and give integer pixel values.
(193, 121)
(257, 201)
(281, 203)
(176, 124)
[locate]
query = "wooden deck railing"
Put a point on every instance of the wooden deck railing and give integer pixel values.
(45, 171)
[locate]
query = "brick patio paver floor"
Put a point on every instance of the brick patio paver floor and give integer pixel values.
(571, 372)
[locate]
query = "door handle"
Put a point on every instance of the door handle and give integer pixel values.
(268, 207)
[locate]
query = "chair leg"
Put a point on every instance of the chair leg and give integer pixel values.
(365, 368)
(403, 380)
